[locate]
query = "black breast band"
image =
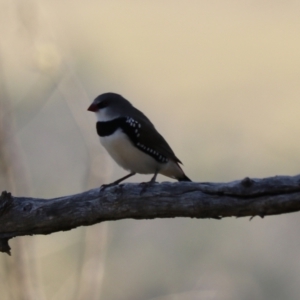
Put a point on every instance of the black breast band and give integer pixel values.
(109, 127)
(132, 129)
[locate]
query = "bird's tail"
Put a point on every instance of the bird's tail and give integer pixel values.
(184, 178)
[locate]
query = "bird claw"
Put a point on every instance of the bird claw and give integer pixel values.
(146, 185)
(104, 186)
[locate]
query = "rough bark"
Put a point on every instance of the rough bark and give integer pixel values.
(248, 197)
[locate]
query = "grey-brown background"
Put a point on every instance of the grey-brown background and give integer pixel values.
(219, 79)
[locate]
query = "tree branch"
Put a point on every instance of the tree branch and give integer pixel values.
(249, 197)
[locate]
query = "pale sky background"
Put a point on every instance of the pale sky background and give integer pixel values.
(219, 79)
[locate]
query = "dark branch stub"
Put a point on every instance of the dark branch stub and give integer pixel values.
(4, 246)
(5, 202)
(5, 205)
(247, 182)
(21, 216)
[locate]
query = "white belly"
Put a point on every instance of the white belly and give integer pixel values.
(132, 159)
(127, 155)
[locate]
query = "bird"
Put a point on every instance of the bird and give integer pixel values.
(132, 140)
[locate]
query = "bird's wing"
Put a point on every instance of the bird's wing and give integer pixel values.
(145, 134)
(157, 142)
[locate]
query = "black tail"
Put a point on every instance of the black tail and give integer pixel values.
(184, 178)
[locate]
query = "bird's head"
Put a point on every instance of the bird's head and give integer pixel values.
(109, 106)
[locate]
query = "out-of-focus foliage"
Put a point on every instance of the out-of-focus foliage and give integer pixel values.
(219, 79)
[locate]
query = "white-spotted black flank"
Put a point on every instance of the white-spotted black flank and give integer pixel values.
(132, 128)
(136, 125)
(160, 158)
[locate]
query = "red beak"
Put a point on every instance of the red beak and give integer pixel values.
(93, 107)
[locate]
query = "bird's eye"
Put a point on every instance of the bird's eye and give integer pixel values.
(102, 104)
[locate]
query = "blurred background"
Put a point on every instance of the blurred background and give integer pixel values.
(219, 79)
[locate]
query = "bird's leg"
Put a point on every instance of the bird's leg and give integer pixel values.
(104, 186)
(146, 184)
(123, 178)
(154, 177)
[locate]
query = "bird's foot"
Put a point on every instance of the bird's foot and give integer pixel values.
(104, 186)
(146, 185)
